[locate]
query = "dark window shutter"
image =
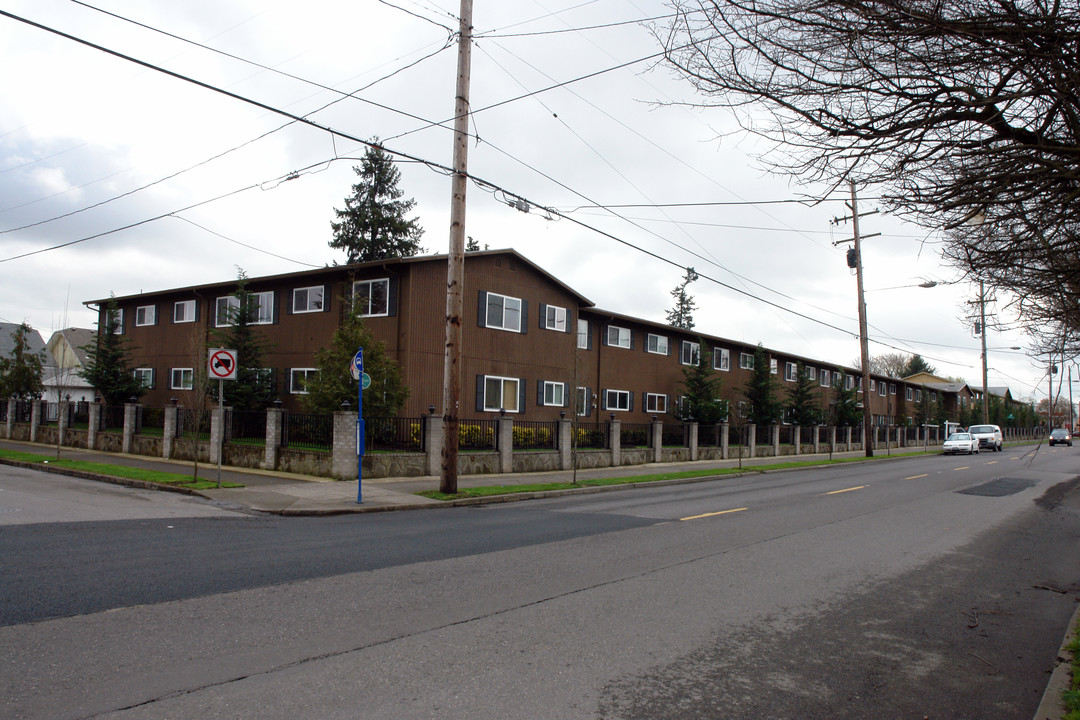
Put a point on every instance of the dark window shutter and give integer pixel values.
(539, 392)
(631, 338)
(644, 401)
(566, 395)
(291, 302)
(521, 395)
(524, 316)
(153, 378)
(603, 399)
(392, 295)
(197, 304)
(276, 302)
(480, 389)
(569, 324)
(606, 329)
(481, 313)
(288, 380)
(631, 406)
(326, 298)
(542, 314)
(588, 339)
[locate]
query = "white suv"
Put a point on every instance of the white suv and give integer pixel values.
(989, 436)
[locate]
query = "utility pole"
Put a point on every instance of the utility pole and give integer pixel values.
(855, 261)
(982, 326)
(455, 273)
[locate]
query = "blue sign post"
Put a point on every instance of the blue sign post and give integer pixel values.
(358, 373)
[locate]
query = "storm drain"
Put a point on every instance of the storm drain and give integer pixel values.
(999, 488)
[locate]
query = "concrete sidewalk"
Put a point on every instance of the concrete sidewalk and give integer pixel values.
(292, 494)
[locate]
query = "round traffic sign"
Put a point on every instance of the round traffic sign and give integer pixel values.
(365, 382)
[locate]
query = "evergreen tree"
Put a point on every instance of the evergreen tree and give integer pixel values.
(373, 225)
(847, 412)
(20, 374)
(917, 365)
(333, 384)
(804, 409)
(254, 386)
(682, 315)
(702, 386)
(760, 392)
(106, 364)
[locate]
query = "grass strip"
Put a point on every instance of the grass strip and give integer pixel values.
(1071, 698)
(121, 471)
(489, 490)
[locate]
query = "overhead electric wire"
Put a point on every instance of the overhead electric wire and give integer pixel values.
(237, 242)
(379, 146)
(495, 34)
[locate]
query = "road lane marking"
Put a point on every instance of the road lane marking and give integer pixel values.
(916, 477)
(992, 462)
(966, 467)
(712, 514)
(837, 492)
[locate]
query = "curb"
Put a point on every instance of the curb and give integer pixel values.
(1060, 678)
(111, 479)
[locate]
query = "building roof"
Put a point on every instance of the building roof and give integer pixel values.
(75, 339)
(34, 343)
(338, 269)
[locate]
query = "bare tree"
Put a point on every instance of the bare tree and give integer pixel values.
(955, 110)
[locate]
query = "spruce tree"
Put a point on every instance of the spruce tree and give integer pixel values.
(760, 392)
(373, 225)
(106, 365)
(254, 386)
(847, 412)
(804, 409)
(20, 374)
(702, 387)
(682, 315)
(333, 384)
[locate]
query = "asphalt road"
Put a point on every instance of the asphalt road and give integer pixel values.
(936, 587)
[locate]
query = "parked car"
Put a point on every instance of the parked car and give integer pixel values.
(989, 436)
(1060, 436)
(958, 443)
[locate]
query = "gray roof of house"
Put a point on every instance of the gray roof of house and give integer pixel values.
(78, 338)
(34, 342)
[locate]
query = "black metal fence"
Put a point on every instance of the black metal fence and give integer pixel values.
(787, 435)
(307, 431)
(247, 427)
(673, 435)
(80, 418)
(591, 435)
(394, 434)
(191, 423)
(150, 421)
(23, 411)
(111, 418)
(709, 435)
(536, 435)
(478, 435)
(763, 435)
(635, 434)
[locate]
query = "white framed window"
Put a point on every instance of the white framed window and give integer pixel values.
(811, 373)
(308, 299)
(181, 379)
(264, 308)
(145, 376)
(554, 318)
(849, 382)
(690, 353)
(746, 361)
(183, 311)
(372, 297)
(298, 380)
(909, 394)
(873, 385)
(791, 372)
(554, 394)
(618, 336)
(824, 378)
(501, 393)
(918, 395)
(933, 396)
(657, 344)
(655, 403)
(721, 359)
(836, 378)
(892, 388)
(583, 334)
(225, 309)
(617, 400)
(503, 312)
(882, 389)
(146, 315)
(584, 401)
(774, 366)
(743, 409)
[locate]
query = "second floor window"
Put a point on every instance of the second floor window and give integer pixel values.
(656, 344)
(746, 361)
(184, 311)
(372, 297)
(307, 299)
(554, 318)
(618, 336)
(583, 334)
(721, 359)
(690, 354)
(228, 307)
(146, 315)
(503, 312)
(791, 372)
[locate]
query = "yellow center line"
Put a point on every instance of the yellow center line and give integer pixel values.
(916, 477)
(966, 467)
(837, 492)
(721, 512)
(992, 462)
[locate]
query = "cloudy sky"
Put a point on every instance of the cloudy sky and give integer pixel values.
(143, 181)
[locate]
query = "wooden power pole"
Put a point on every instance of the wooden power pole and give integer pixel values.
(455, 273)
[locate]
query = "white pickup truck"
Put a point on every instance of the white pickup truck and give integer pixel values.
(989, 436)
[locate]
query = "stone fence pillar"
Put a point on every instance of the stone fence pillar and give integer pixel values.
(93, 425)
(129, 427)
(566, 444)
(433, 443)
(168, 432)
(344, 464)
(615, 442)
(506, 444)
(774, 434)
(656, 440)
(751, 438)
(35, 419)
(693, 430)
(273, 438)
(797, 437)
(725, 439)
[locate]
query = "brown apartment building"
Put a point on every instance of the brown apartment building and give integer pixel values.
(530, 342)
